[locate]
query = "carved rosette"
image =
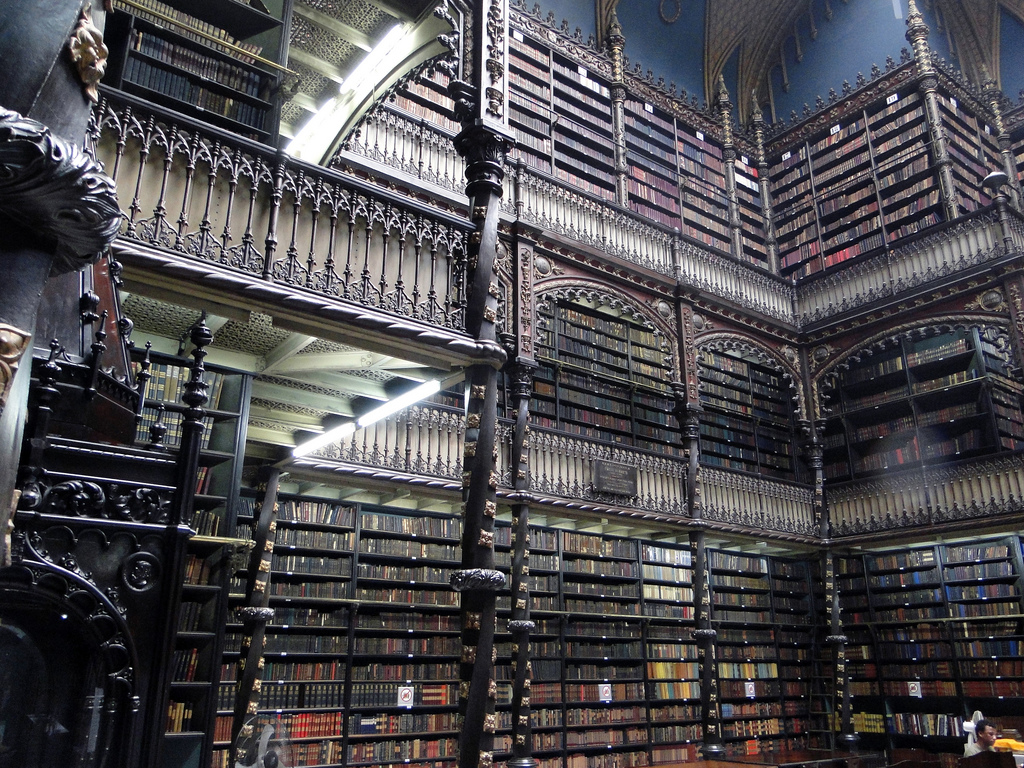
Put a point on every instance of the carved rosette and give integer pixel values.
(53, 189)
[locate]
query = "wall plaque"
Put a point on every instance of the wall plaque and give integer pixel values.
(610, 477)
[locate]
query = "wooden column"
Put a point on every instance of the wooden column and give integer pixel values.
(724, 108)
(841, 703)
(771, 243)
(616, 43)
(484, 142)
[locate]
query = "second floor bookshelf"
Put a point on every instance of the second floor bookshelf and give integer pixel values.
(924, 399)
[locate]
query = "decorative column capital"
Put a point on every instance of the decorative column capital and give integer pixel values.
(53, 189)
(917, 36)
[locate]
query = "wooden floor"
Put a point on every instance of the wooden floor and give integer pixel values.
(790, 759)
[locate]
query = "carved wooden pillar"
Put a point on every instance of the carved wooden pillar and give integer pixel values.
(771, 243)
(724, 106)
(917, 36)
(707, 665)
(520, 349)
(480, 105)
(686, 406)
(57, 209)
(58, 212)
(616, 43)
(995, 103)
(836, 641)
(255, 615)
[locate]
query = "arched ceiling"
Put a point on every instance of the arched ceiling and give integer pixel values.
(746, 38)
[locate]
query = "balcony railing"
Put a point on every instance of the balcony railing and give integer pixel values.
(752, 501)
(975, 489)
(970, 242)
(210, 196)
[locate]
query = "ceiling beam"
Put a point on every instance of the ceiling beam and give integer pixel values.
(265, 390)
(352, 360)
(286, 350)
(339, 28)
(316, 64)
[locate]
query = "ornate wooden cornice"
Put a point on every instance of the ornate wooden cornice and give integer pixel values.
(788, 136)
(571, 45)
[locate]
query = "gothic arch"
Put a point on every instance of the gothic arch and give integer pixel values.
(997, 330)
(723, 340)
(658, 319)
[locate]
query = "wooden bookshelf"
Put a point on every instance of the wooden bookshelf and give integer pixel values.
(922, 400)
(936, 640)
(604, 377)
(200, 59)
(747, 422)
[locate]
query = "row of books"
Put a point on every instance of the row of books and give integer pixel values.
(184, 24)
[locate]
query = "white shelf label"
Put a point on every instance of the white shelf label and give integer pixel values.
(893, 98)
(952, 102)
(835, 129)
(914, 689)
(649, 108)
(700, 136)
(786, 155)
(517, 35)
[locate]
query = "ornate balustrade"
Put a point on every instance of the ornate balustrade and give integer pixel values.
(414, 148)
(752, 501)
(979, 488)
(209, 196)
(970, 242)
(562, 473)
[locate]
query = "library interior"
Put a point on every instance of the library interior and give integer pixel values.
(395, 383)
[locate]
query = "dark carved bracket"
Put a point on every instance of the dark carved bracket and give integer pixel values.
(52, 188)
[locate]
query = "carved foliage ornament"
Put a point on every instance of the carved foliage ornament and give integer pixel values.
(88, 53)
(54, 189)
(13, 343)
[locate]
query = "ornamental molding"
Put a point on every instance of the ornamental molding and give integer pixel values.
(53, 189)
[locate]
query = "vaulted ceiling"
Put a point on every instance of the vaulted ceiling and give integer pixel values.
(329, 38)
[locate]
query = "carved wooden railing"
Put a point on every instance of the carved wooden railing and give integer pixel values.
(207, 195)
(969, 242)
(428, 155)
(751, 501)
(414, 148)
(562, 473)
(974, 489)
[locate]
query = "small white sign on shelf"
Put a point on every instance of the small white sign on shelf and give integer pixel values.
(604, 690)
(405, 696)
(914, 689)
(751, 689)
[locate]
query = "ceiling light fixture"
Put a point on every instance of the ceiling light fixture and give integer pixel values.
(413, 396)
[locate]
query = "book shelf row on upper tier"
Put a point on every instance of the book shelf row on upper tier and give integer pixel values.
(198, 59)
(950, 395)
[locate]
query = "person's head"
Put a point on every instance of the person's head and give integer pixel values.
(985, 731)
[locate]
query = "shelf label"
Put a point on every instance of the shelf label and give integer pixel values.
(914, 689)
(604, 690)
(750, 689)
(835, 129)
(700, 136)
(952, 102)
(893, 98)
(786, 155)
(744, 160)
(517, 35)
(405, 696)
(649, 108)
